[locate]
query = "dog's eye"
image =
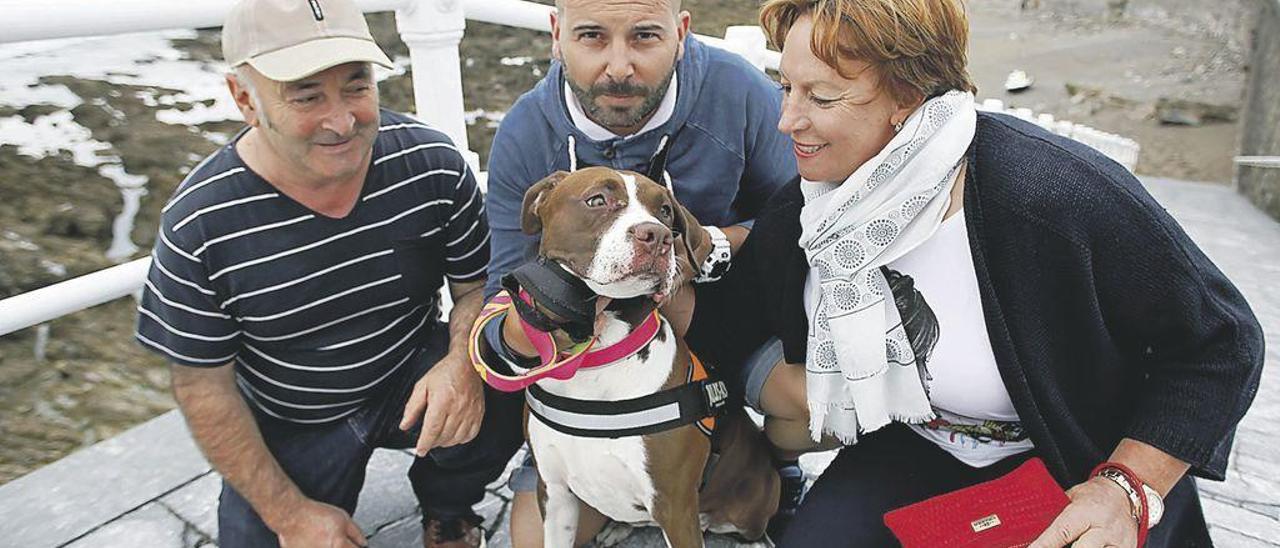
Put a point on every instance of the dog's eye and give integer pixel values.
(596, 201)
(666, 211)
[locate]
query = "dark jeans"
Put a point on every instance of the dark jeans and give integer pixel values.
(894, 467)
(328, 461)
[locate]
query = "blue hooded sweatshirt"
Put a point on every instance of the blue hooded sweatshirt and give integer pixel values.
(726, 155)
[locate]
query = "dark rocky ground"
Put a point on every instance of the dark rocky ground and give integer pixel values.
(55, 216)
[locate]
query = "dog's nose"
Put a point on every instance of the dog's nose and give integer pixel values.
(653, 236)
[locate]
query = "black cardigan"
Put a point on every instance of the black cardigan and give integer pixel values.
(1106, 321)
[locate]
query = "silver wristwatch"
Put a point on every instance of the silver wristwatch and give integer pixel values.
(1155, 504)
(720, 258)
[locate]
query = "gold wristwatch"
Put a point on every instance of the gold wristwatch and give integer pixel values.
(1155, 504)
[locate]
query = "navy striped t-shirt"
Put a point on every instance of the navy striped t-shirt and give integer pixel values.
(315, 312)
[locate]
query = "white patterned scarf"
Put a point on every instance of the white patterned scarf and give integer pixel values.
(860, 370)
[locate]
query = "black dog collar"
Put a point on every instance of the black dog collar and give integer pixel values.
(559, 292)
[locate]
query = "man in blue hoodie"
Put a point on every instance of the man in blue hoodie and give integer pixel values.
(629, 82)
(627, 77)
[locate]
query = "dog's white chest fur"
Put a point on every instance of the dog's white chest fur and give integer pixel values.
(611, 475)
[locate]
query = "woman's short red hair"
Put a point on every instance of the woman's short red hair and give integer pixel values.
(917, 46)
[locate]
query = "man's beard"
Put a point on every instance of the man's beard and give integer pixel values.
(621, 117)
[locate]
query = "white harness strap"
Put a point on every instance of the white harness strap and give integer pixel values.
(601, 425)
(685, 404)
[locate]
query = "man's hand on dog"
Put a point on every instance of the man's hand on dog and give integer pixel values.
(452, 397)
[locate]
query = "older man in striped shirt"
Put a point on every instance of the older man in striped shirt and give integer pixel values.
(294, 286)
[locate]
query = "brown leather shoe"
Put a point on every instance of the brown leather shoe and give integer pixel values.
(456, 532)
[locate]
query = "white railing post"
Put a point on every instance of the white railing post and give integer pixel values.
(432, 29)
(750, 42)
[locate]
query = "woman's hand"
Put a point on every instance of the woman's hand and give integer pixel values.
(1099, 515)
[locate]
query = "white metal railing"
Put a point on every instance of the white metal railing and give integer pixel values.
(62, 298)
(431, 29)
(1121, 149)
(1272, 162)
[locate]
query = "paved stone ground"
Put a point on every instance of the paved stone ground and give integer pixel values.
(151, 487)
(1244, 510)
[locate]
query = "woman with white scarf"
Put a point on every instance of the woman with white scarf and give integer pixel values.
(958, 292)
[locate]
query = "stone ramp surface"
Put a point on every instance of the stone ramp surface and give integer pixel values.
(1245, 244)
(151, 487)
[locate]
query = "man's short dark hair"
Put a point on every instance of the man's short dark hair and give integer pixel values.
(675, 6)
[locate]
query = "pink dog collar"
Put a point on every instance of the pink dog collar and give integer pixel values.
(556, 364)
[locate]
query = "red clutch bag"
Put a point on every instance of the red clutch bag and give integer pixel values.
(1006, 512)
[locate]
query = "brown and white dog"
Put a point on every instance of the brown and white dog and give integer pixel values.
(628, 239)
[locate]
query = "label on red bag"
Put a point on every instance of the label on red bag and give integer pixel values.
(983, 524)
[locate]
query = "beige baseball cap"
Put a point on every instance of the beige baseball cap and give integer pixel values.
(288, 40)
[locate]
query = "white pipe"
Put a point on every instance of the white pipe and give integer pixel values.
(1259, 161)
(62, 298)
(23, 21)
(512, 13)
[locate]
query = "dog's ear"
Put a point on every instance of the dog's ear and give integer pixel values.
(694, 243)
(530, 222)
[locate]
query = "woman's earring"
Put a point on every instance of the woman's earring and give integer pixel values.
(897, 127)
